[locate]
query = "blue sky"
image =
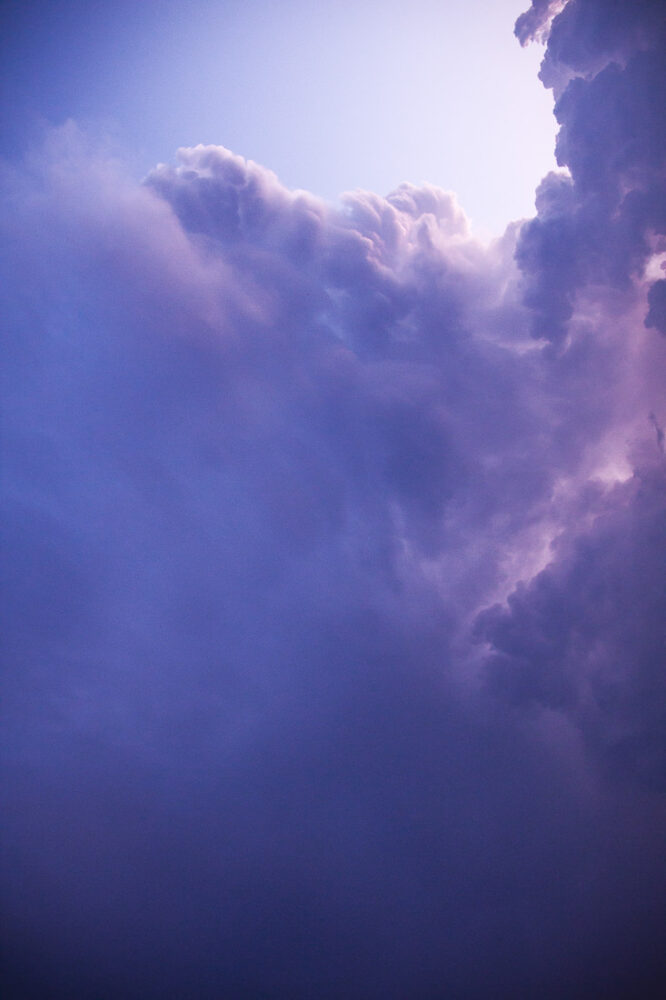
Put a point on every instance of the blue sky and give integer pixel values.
(331, 96)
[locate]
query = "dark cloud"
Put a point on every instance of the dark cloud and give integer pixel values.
(586, 636)
(656, 316)
(601, 223)
(535, 23)
(332, 599)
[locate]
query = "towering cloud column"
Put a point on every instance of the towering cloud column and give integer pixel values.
(334, 588)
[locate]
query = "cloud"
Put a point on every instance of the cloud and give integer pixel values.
(586, 635)
(656, 317)
(535, 23)
(603, 220)
(332, 596)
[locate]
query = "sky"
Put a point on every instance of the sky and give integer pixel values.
(333, 591)
(331, 96)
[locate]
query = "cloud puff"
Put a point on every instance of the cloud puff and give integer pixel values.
(535, 23)
(586, 635)
(656, 316)
(605, 219)
(332, 597)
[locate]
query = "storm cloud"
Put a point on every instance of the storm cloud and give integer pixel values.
(333, 576)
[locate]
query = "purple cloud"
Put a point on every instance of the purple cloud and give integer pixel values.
(562, 643)
(535, 23)
(604, 220)
(333, 577)
(656, 316)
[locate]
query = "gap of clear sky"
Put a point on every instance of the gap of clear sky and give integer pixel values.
(330, 94)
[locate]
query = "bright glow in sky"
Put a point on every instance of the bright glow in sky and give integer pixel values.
(331, 95)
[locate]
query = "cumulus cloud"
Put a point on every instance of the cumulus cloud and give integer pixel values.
(535, 23)
(656, 316)
(605, 218)
(586, 635)
(333, 577)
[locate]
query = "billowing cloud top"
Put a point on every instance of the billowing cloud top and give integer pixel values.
(334, 569)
